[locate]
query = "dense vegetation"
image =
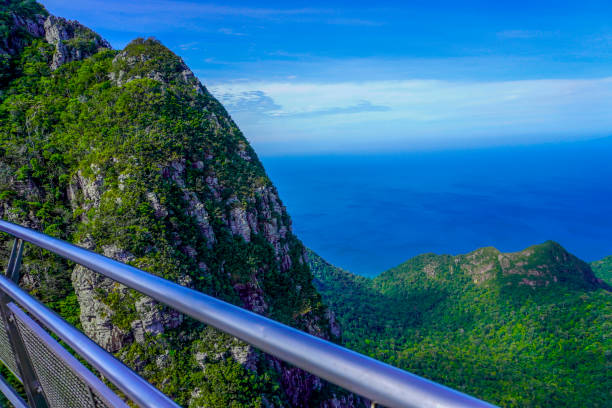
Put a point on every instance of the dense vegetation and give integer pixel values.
(124, 152)
(492, 325)
(603, 269)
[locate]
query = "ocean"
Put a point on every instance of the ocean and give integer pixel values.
(368, 213)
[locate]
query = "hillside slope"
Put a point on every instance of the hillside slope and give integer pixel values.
(126, 153)
(603, 269)
(530, 328)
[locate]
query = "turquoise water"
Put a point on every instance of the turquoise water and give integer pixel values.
(369, 213)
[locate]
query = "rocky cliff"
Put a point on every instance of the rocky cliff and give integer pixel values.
(127, 153)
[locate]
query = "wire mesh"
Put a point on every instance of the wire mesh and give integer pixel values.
(6, 352)
(66, 383)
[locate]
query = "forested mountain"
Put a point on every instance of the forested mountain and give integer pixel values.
(531, 328)
(603, 269)
(126, 153)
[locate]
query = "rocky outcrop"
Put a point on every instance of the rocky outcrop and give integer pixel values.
(194, 205)
(99, 314)
(167, 69)
(239, 224)
(21, 28)
(252, 296)
(540, 265)
(84, 192)
(300, 385)
(72, 40)
(152, 318)
(95, 315)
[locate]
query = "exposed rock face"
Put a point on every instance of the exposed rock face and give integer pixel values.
(91, 189)
(540, 265)
(300, 385)
(95, 314)
(72, 40)
(30, 25)
(92, 290)
(153, 318)
(239, 223)
(194, 206)
(333, 324)
(252, 296)
(130, 66)
(245, 355)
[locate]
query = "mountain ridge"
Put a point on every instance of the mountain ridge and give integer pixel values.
(538, 265)
(473, 323)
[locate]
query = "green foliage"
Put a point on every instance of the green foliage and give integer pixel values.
(91, 151)
(603, 269)
(205, 373)
(122, 304)
(26, 8)
(68, 308)
(22, 8)
(506, 342)
(13, 382)
(12, 37)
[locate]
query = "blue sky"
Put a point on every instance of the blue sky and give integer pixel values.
(311, 77)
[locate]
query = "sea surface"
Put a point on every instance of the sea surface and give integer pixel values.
(368, 213)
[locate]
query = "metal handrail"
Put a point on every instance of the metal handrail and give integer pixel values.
(370, 378)
(74, 365)
(134, 386)
(11, 394)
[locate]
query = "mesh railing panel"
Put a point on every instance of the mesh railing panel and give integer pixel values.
(60, 380)
(6, 352)
(62, 388)
(98, 402)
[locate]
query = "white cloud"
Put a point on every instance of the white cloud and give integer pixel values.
(521, 34)
(354, 22)
(229, 31)
(416, 112)
(193, 45)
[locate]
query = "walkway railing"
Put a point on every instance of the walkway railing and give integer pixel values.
(52, 377)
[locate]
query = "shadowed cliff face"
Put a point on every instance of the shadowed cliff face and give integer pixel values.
(127, 154)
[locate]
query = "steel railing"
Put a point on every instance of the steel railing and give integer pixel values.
(367, 377)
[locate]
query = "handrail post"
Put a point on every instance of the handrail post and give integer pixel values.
(33, 389)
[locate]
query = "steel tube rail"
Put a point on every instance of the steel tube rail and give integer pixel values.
(11, 395)
(134, 386)
(75, 366)
(370, 378)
